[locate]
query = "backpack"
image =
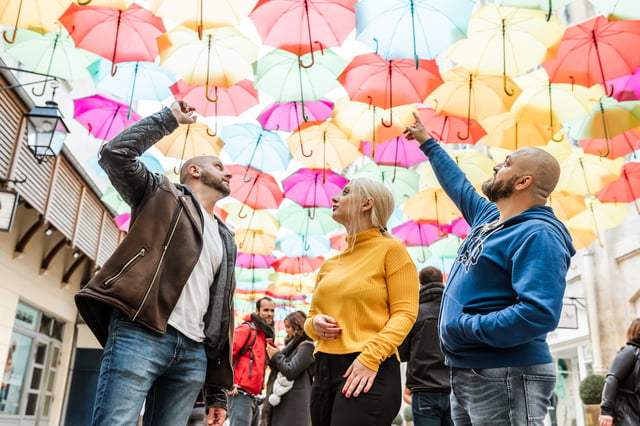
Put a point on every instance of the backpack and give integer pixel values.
(248, 347)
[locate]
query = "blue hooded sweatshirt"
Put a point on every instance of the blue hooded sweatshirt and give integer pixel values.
(504, 292)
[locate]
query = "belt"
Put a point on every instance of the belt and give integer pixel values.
(244, 392)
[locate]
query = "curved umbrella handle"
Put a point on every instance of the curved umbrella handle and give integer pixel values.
(468, 111)
(549, 11)
(553, 136)
(242, 214)
(313, 61)
(114, 69)
(213, 133)
(206, 91)
(390, 123)
(40, 92)
(311, 213)
(13, 36)
(606, 132)
(83, 3)
(304, 154)
(504, 86)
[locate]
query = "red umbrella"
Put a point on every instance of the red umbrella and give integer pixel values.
(626, 189)
(304, 26)
(104, 117)
(447, 128)
(370, 79)
(297, 265)
(115, 34)
(288, 116)
(617, 146)
(255, 189)
(595, 51)
(313, 187)
(394, 152)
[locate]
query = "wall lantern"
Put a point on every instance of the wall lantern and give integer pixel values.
(46, 131)
(8, 204)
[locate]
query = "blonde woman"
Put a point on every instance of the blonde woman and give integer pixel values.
(364, 304)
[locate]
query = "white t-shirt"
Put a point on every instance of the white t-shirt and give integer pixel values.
(188, 315)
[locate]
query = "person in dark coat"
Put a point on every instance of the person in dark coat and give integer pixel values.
(427, 376)
(289, 385)
(620, 405)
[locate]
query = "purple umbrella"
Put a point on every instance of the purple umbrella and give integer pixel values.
(288, 116)
(104, 117)
(626, 88)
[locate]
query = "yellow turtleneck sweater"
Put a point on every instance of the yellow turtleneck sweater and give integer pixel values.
(372, 292)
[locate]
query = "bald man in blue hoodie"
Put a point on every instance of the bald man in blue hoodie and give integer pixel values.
(505, 289)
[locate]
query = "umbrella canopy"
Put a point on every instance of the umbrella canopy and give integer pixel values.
(395, 152)
(190, 140)
(418, 233)
(304, 26)
(115, 34)
(618, 9)
(322, 145)
(253, 188)
(446, 247)
(617, 146)
(254, 260)
(595, 219)
(595, 51)
(112, 198)
(565, 205)
(625, 189)
(250, 145)
(294, 245)
(449, 128)
(432, 205)
(149, 160)
(507, 132)
(297, 265)
(241, 216)
(411, 28)
(288, 116)
(103, 117)
(586, 174)
(254, 241)
(626, 88)
(476, 166)
(123, 221)
(222, 57)
(36, 15)
(402, 182)
(307, 220)
(313, 187)
(547, 5)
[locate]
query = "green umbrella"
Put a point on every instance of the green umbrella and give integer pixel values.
(446, 247)
(307, 220)
(252, 274)
(113, 200)
(403, 182)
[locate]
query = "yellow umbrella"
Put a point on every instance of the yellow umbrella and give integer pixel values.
(586, 174)
(560, 150)
(565, 205)
(477, 166)
(322, 145)
(254, 241)
(200, 15)
(223, 56)
(363, 122)
(285, 284)
(243, 216)
(190, 140)
(34, 15)
(507, 41)
(431, 204)
(503, 130)
(598, 217)
(116, 4)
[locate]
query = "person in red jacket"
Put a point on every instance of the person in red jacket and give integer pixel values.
(249, 362)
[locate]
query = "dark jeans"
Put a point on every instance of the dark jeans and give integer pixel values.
(431, 408)
(330, 407)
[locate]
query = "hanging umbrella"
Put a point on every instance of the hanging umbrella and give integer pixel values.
(472, 96)
(625, 189)
(149, 161)
(280, 74)
(287, 116)
(447, 128)
(586, 174)
(565, 205)
(363, 122)
(103, 117)
(595, 51)
(304, 26)
(503, 130)
(618, 9)
(307, 220)
(446, 247)
(475, 165)
(626, 88)
(253, 188)
(459, 227)
(370, 79)
(36, 15)
(418, 233)
(313, 187)
(411, 28)
(190, 140)
(297, 265)
(322, 145)
(134, 81)
(254, 241)
(294, 245)
(253, 260)
(241, 216)
(402, 182)
(112, 198)
(123, 221)
(52, 54)
(286, 285)
(506, 41)
(395, 152)
(432, 205)
(231, 101)
(547, 5)
(223, 56)
(200, 15)
(618, 146)
(250, 145)
(115, 34)
(597, 218)
(253, 275)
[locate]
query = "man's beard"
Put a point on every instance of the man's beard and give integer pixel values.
(496, 191)
(217, 184)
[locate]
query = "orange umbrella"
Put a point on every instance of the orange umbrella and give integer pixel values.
(503, 130)
(35, 15)
(190, 140)
(254, 241)
(565, 205)
(597, 218)
(431, 204)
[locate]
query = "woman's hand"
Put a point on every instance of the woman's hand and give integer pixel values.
(605, 420)
(359, 379)
(271, 350)
(326, 327)
(216, 416)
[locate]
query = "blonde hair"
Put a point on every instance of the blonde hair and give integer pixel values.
(383, 202)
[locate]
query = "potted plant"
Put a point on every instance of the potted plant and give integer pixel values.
(591, 395)
(398, 420)
(408, 415)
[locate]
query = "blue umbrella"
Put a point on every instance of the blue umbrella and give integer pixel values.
(146, 158)
(295, 245)
(250, 145)
(411, 29)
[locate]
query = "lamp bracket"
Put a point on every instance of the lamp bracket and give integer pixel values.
(14, 181)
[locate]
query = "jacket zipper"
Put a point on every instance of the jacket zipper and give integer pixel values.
(155, 273)
(141, 253)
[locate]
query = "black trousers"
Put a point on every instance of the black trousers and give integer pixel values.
(329, 406)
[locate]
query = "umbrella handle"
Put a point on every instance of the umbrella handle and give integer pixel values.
(313, 61)
(504, 86)
(114, 69)
(83, 3)
(206, 93)
(553, 137)
(13, 36)
(548, 15)
(390, 123)
(40, 92)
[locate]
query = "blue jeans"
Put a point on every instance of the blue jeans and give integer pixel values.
(243, 410)
(431, 408)
(502, 396)
(167, 370)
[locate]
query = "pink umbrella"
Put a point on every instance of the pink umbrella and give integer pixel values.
(313, 187)
(231, 101)
(288, 116)
(626, 88)
(459, 227)
(251, 260)
(123, 221)
(104, 117)
(418, 233)
(395, 152)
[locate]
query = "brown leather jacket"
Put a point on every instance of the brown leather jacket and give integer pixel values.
(145, 275)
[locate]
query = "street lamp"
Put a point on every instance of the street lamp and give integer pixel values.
(46, 131)
(8, 205)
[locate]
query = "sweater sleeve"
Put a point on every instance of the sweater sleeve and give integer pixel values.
(621, 366)
(297, 364)
(402, 288)
(454, 182)
(308, 323)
